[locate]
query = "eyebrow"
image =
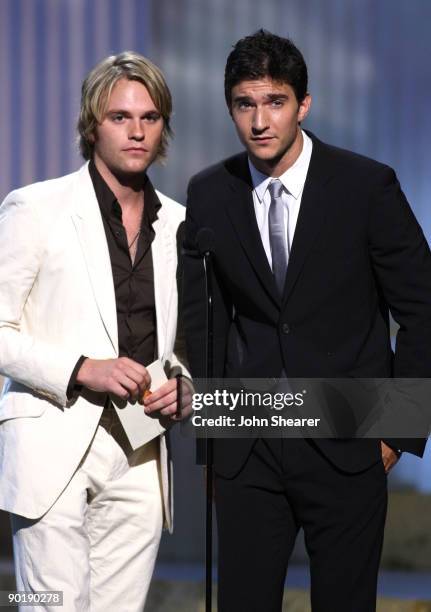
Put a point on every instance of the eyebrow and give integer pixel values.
(242, 99)
(270, 97)
(277, 96)
(123, 111)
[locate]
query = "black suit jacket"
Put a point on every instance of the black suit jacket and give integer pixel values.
(357, 252)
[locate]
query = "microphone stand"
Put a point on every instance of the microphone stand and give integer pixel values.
(209, 372)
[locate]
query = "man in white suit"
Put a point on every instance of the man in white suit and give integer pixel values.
(88, 299)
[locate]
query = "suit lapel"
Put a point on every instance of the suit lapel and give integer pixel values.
(163, 251)
(88, 223)
(241, 213)
(311, 215)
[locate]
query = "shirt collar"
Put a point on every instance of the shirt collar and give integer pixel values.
(108, 202)
(293, 179)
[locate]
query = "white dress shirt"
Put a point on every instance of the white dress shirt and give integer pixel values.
(293, 181)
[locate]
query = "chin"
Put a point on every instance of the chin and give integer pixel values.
(264, 152)
(264, 157)
(125, 174)
(134, 169)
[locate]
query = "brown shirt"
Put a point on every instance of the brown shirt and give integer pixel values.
(133, 282)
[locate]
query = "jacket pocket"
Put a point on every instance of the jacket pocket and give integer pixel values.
(18, 401)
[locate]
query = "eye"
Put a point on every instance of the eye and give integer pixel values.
(243, 105)
(117, 117)
(277, 103)
(152, 117)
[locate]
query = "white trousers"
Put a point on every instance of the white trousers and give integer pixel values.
(98, 543)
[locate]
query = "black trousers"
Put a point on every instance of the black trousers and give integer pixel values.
(286, 485)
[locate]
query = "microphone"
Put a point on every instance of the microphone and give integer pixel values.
(205, 241)
(205, 247)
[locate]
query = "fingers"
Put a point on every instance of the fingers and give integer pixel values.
(122, 377)
(390, 462)
(389, 457)
(129, 389)
(134, 366)
(119, 390)
(164, 401)
(128, 379)
(137, 373)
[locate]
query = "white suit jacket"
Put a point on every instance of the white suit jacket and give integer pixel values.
(57, 302)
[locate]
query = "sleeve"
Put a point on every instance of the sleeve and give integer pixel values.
(179, 363)
(73, 387)
(38, 364)
(401, 261)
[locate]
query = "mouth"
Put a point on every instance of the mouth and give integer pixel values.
(262, 139)
(135, 150)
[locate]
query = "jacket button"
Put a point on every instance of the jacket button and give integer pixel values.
(285, 328)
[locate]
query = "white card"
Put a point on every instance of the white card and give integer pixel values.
(139, 427)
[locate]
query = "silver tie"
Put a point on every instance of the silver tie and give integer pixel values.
(277, 234)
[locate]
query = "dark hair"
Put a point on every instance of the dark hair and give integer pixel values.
(264, 54)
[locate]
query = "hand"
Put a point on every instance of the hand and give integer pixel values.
(163, 401)
(389, 457)
(122, 377)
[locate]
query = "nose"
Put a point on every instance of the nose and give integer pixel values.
(136, 130)
(260, 121)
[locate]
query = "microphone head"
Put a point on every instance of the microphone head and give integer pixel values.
(205, 240)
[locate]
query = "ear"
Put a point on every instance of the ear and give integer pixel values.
(304, 108)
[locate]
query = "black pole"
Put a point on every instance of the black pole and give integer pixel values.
(209, 442)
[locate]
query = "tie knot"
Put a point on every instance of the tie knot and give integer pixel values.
(275, 189)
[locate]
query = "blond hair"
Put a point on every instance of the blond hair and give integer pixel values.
(97, 88)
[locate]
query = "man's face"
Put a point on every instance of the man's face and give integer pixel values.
(266, 114)
(128, 138)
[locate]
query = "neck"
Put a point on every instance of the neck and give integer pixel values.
(278, 166)
(127, 189)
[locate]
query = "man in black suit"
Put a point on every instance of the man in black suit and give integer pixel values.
(313, 246)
